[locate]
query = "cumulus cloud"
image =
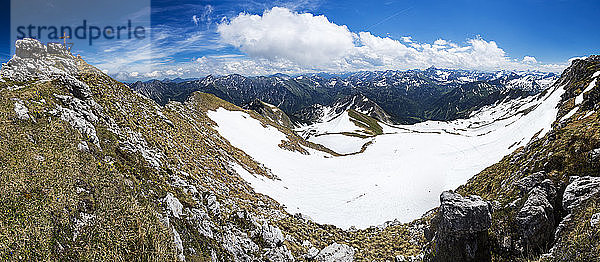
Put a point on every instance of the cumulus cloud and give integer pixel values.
(284, 41)
(283, 34)
(529, 60)
(440, 42)
(308, 42)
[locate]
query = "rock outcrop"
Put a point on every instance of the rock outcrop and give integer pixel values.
(336, 253)
(34, 60)
(461, 229)
(579, 190)
(536, 218)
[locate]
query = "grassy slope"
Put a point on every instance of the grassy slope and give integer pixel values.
(44, 198)
(562, 153)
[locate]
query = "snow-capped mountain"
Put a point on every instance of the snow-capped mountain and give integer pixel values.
(407, 96)
(360, 103)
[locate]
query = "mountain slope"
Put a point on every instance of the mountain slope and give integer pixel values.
(545, 194)
(93, 171)
(270, 112)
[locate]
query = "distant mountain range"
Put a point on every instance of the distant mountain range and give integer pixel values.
(407, 96)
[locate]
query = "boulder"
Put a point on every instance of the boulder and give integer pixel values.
(173, 205)
(279, 254)
(595, 221)
(336, 253)
(462, 229)
(536, 220)
(463, 214)
(272, 235)
(527, 183)
(579, 190)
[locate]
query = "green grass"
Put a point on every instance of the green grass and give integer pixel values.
(369, 124)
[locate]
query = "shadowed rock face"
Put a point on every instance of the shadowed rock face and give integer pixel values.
(461, 229)
(536, 218)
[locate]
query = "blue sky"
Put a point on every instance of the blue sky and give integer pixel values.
(195, 38)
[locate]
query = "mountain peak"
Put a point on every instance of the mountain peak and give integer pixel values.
(34, 60)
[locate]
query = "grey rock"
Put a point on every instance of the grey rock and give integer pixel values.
(527, 183)
(21, 110)
(212, 203)
(239, 245)
(173, 205)
(79, 116)
(272, 235)
(279, 254)
(79, 89)
(464, 214)
(83, 147)
(336, 253)
(136, 143)
(33, 60)
(178, 244)
(595, 221)
(579, 190)
(202, 222)
(594, 155)
(536, 218)
(461, 229)
(312, 253)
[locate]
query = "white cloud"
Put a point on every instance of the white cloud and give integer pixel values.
(282, 34)
(307, 42)
(441, 42)
(529, 60)
(284, 41)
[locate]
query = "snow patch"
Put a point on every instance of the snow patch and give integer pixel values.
(400, 175)
(579, 98)
(570, 114)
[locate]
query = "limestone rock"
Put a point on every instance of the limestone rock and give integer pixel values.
(279, 254)
(536, 219)
(579, 190)
(595, 221)
(336, 253)
(174, 205)
(461, 232)
(272, 235)
(33, 60)
(464, 214)
(21, 110)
